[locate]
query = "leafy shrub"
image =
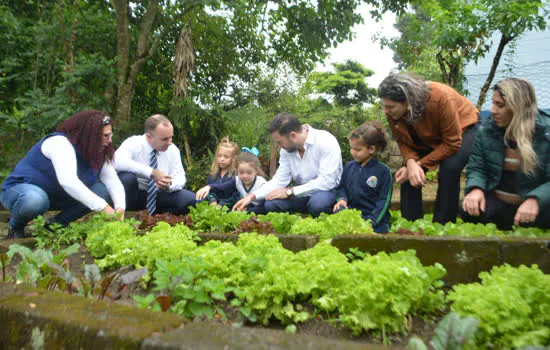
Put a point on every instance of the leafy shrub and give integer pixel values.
(208, 218)
(281, 222)
(329, 225)
(460, 228)
(123, 247)
(381, 290)
(512, 306)
(191, 291)
(110, 238)
(197, 173)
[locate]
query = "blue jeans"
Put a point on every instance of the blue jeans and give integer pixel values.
(257, 209)
(319, 202)
(26, 202)
(176, 202)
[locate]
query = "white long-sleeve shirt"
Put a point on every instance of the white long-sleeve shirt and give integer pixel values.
(61, 152)
(134, 155)
(320, 169)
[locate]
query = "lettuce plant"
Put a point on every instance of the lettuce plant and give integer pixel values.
(512, 306)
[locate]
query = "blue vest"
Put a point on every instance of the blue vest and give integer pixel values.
(38, 170)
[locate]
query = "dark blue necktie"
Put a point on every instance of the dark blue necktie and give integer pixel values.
(152, 188)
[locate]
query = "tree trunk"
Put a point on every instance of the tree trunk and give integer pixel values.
(127, 73)
(451, 69)
(504, 40)
(187, 149)
(184, 64)
(36, 62)
(442, 66)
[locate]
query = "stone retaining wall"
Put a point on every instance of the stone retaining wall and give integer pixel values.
(463, 257)
(394, 158)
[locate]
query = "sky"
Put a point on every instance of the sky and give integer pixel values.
(364, 50)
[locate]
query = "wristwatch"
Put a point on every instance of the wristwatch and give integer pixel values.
(289, 192)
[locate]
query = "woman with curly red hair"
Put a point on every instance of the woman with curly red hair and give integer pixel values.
(69, 170)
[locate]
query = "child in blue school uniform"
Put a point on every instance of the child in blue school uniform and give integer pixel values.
(366, 183)
(224, 166)
(250, 177)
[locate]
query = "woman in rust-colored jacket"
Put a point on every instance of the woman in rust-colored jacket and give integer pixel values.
(434, 126)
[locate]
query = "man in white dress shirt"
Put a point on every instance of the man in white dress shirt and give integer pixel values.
(133, 163)
(311, 159)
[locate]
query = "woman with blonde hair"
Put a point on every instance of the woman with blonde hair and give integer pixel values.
(508, 173)
(434, 127)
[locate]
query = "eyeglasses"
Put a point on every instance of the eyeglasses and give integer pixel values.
(106, 120)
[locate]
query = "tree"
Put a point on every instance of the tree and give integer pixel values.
(412, 52)
(346, 85)
(511, 19)
(294, 32)
(460, 31)
(47, 70)
(62, 56)
(448, 31)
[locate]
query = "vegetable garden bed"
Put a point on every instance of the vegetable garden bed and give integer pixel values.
(316, 288)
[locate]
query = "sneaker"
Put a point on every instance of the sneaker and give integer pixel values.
(15, 233)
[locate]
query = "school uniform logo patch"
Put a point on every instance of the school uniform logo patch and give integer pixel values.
(372, 181)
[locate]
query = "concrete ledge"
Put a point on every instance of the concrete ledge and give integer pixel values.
(5, 244)
(198, 335)
(55, 320)
(463, 257)
(516, 251)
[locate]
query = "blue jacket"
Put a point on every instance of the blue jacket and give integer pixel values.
(38, 170)
(484, 170)
(368, 189)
